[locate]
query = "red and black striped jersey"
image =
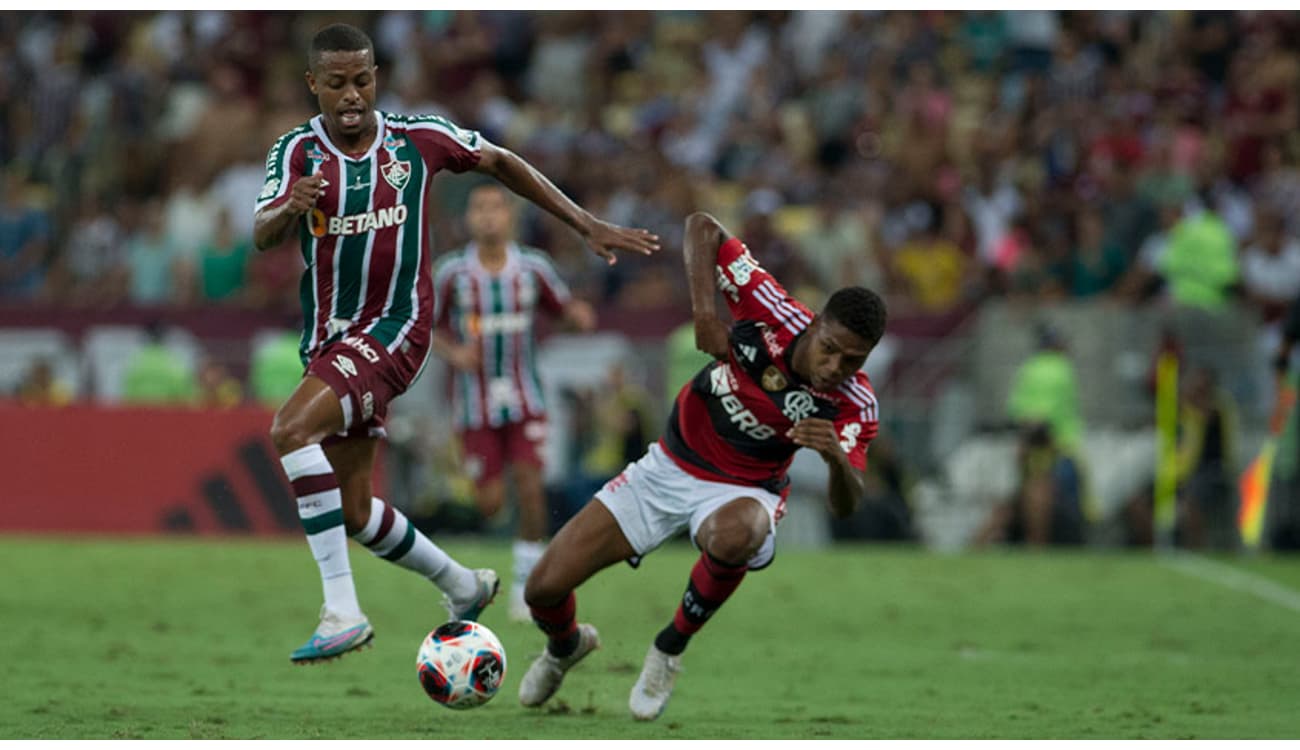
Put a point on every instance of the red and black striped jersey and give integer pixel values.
(729, 422)
(366, 243)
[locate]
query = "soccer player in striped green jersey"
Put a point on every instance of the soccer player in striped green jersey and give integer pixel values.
(488, 296)
(352, 185)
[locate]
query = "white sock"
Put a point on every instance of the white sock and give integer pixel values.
(390, 535)
(526, 556)
(320, 508)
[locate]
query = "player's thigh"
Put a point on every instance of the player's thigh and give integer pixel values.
(590, 542)
(484, 449)
(310, 414)
(353, 460)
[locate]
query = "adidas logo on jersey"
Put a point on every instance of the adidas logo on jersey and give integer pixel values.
(359, 223)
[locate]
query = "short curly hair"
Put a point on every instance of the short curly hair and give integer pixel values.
(338, 37)
(860, 310)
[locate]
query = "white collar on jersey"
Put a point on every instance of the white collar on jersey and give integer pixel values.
(381, 128)
(512, 258)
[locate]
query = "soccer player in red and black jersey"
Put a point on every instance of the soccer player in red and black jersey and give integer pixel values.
(352, 185)
(783, 378)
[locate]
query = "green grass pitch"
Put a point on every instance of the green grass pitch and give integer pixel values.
(190, 639)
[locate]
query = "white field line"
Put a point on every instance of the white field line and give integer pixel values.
(1233, 578)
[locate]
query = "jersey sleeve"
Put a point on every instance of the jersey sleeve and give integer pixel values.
(444, 144)
(286, 163)
(858, 422)
(754, 294)
(552, 293)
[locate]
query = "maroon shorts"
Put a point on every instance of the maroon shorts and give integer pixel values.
(489, 450)
(366, 378)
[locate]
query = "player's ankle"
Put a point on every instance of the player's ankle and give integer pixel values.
(564, 646)
(671, 641)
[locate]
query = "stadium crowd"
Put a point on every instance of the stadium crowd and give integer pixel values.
(941, 157)
(1151, 159)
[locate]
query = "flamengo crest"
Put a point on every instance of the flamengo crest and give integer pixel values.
(397, 173)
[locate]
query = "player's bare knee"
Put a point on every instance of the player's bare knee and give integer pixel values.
(733, 548)
(288, 435)
(542, 588)
(539, 592)
(734, 537)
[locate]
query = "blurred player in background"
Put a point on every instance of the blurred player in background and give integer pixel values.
(783, 378)
(352, 185)
(486, 296)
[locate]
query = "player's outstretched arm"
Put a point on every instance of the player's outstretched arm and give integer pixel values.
(847, 485)
(523, 178)
(704, 235)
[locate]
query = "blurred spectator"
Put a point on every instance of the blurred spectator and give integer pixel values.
(157, 376)
(1028, 116)
(1096, 264)
(1047, 507)
(622, 426)
(930, 270)
(1278, 187)
(161, 272)
(1270, 267)
(223, 263)
(992, 203)
(92, 270)
(216, 388)
(773, 251)
(1207, 435)
(39, 388)
(24, 239)
(1143, 280)
(1045, 391)
(276, 370)
(683, 360)
(840, 249)
(1200, 261)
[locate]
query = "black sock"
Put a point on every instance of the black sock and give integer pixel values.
(561, 648)
(670, 641)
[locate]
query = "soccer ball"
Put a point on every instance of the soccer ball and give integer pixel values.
(461, 664)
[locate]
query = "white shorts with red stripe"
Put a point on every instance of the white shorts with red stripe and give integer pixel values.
(654, 499)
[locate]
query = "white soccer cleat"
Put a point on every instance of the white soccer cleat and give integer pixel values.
(488, 583)
(654, 687)
(543, 678)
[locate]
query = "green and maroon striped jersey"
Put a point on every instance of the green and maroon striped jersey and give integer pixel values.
(366, 243)
(496, 311)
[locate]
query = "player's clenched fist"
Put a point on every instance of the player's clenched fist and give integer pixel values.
(818, 434)
(306, 192)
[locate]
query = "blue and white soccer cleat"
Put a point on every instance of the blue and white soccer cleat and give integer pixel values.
(488, 583)
(334, 637)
